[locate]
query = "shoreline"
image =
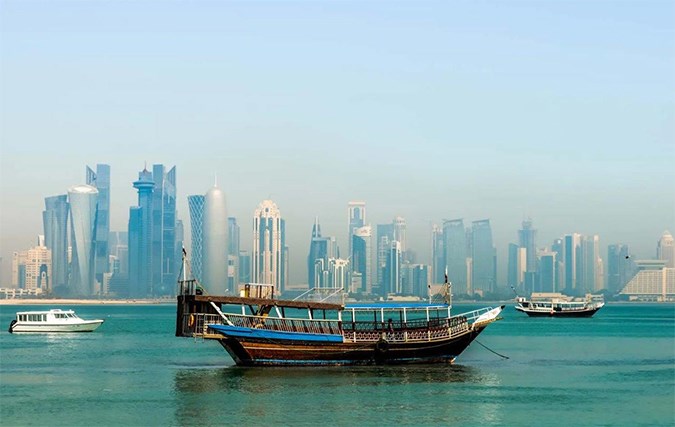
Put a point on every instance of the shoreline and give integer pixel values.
(159, 301)
(74, 301)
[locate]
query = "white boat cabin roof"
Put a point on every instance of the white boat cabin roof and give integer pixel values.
(52, 311)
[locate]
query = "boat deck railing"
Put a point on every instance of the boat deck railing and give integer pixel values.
(471, 316)
(311, 326)
(352, 331)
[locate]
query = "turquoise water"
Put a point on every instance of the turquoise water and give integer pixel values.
(617, 368)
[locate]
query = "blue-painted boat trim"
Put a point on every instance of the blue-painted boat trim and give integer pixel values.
(242, 332)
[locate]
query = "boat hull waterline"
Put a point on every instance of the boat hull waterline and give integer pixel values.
(569, 313)
(87, 326)
(251, 351)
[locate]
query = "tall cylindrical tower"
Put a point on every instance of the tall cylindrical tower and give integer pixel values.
(214, 261)
(83, 201)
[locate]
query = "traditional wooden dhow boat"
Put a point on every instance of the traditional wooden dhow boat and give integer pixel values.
(257, 329)
(55, 320)
(558, 305)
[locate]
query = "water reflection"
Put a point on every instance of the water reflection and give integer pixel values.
(263, 380)
(264, 394)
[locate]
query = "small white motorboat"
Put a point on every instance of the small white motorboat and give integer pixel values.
(55, 320)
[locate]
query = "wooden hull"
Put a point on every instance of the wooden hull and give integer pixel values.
(267, 352)
(568, 313)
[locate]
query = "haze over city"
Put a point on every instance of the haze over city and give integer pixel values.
(563, 113)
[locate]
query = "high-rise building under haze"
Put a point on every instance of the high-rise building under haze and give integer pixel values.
(55, 223)
(215, 256)
(361, 260)
(140, 238)
(385, 237)
(392, 274)
(483, 257)
(321, 249)
(620, 267)
(356, 218)
(517, 267)
(527, 238)
(83, 201)
(268, 260)
(547, 272)
(233, 248)
(399, 228)
(570, 248)
(437, 255)
(100, 178)
(196, 207)
(165, 263)
(454, 238)
(32, 269)
(665, 249)
(590, 268)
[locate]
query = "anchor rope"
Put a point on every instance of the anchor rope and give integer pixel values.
(491, 350)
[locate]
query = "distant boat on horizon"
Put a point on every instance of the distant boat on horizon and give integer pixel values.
(558, 305)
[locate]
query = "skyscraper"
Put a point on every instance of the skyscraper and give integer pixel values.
(517, 267)
(665, 249)
(140, 238)
(570, 247)
(118, 284)
(55, 221)
(547, 272)
(590, 267)
(392, 274)
(454, 237)
(437, 254)
(233, 244)
(215, 256)
(268, 258)
(361, 256)
(32, 268)
(321, 249)
(483, 273)
(619, 267)
(244, 267)
(527, 238)
(338, 274)
(165, 265)
(385, 236)
(356, 218)
(101, 180)
(196, 206)
(421, 280)
(399, 228)
(83, 200)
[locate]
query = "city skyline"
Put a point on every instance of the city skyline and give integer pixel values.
(576, 271)
(424, 110)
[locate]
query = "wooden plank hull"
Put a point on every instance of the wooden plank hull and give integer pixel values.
(568, 313)
(266, 352)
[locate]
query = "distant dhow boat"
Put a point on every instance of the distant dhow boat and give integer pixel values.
(55, 320)
(558, 305)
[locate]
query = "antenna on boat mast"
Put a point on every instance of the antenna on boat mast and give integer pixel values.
(448, 288)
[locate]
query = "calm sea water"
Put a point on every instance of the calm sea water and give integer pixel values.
(617, 368)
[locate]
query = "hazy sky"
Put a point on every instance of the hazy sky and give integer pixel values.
(559, 110)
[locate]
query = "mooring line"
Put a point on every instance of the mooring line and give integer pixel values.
(489, 349)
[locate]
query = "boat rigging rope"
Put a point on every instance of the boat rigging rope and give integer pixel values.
(489, 349)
